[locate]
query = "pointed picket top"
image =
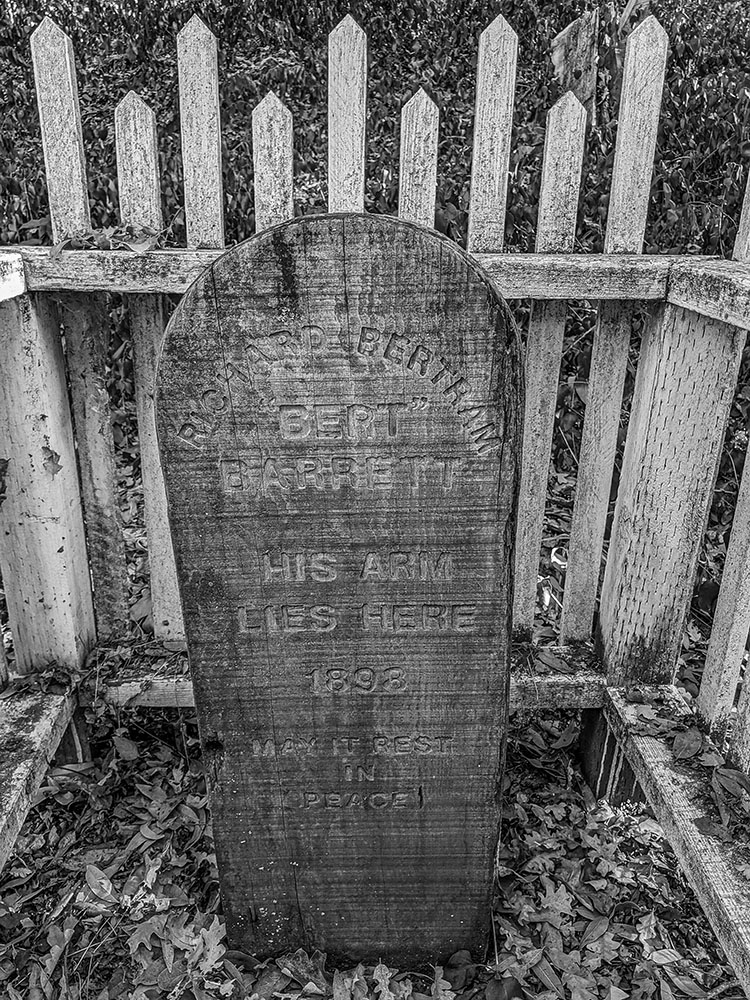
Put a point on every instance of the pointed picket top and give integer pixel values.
(493, 118)
(638, 122)
(347, 102)
(137, 163)
(418, 160)
(272, 162)
(561, 175)
(60, 120)
(741, 250)
(197, 68)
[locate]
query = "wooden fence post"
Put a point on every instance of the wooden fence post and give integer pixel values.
(140, 207)
(558, 203)
(86, 322)
(347, 103)
(643, 80)
(731, 623)
(43, 557)
(493, 118)
(684, 388)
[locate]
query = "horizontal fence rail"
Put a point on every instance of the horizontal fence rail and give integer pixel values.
(618, 280)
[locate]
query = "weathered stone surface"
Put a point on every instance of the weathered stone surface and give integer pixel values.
(338, 406)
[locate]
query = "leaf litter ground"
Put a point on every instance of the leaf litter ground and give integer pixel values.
(113, 893)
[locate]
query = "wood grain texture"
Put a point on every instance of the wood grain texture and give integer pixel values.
(678, 798)
(529, 693)
(493, 119)
(31, 727)
(741, 250)
(349, 650)
(417, 178)
(43, 557)
(575, 56)
(347, 116)
(85, 323)
(558, 203)
(685, 382)
(272, 163)
(200, 129)
(517, 275)
(140, 207)
(640, 103)
(12, 276)
(596, 461)
(62, 138)
(716, 288)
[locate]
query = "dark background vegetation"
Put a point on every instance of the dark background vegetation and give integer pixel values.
(702, 156)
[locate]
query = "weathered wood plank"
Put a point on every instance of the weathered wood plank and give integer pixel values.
(43, 557)
(575, 56)
(140, 207)
(731, 624)
(678, 798)
(739, 747)
(518, 275)
(62, 138)
(529, 693)
(558, 203)
(640, 101)
(200, 128)
(329, 603)
(272, 163)
(86, 322)
(684, 387)
(493, 119)
(12, 276)
(347, 116)
(716, 288)
(418, 160)
(31, 727)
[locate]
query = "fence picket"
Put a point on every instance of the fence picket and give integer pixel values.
(493, 118)
(86, 321)
(640, 102)
(140, 207)
(731, 623)
(347, 109)
(272, 162)
(417, 179)
(558, 204)
(201, 134)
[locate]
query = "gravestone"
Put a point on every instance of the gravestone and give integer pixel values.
(338, 405)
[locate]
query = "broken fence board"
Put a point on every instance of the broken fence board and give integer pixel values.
(493, 119)
(31, 727)
(140, 207)
(347, 114)
(575, 57)
(558, 204)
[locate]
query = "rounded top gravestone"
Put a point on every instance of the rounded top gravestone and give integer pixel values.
(338, 410)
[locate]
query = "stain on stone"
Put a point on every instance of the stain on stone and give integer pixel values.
(288, 288)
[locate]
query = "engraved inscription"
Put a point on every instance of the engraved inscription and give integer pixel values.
(375, 744)
(365, 680)
(354, 800)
